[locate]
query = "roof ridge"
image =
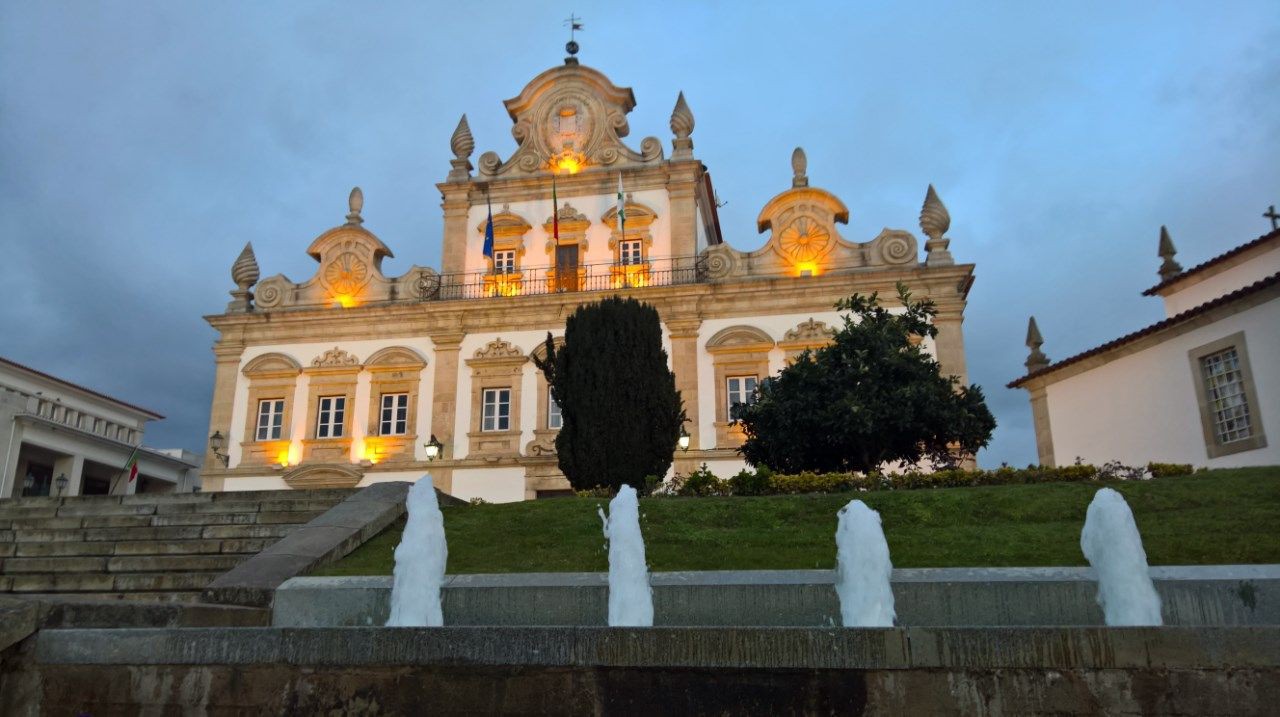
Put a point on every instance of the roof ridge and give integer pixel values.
(78, 387)
(1274, 233)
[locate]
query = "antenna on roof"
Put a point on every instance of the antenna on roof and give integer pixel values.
(574, 23)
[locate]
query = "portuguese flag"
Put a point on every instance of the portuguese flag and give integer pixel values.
(131, 466)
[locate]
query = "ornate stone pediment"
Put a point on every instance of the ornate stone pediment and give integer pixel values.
(396, 357)
(335, 358)
(809, 332)
(322, 475)
(272, 364)
(740, 338)
(499, 349)
(574, 108)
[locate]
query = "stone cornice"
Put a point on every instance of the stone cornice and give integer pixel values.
(753, 297)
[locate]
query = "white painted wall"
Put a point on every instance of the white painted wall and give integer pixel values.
(495, 485)
(1142, 407)
(1236, 277)
(304, 354)
(592, 206)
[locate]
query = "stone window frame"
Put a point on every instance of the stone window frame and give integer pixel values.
(387, 426)
(497, 364)
(333, 373)
(638, 227)
(271, 414)
(748, 399)
(509, 230)
(333, 408)
(739, 350)
(393, 370)
(1258, 439)
(544, 436)
(573, 232)
(493, 423)
(271, 376)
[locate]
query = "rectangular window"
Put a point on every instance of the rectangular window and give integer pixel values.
(554, 418)
(742, 391)
(270, 419)
(504, 262)
(332, 416)
(496, 408)
(1224, 392)
(394, 420)
(629, 252)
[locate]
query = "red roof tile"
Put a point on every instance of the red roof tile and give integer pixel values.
(1274, 234)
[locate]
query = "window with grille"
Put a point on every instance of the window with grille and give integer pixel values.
(742, 391)
(629, 252)
(331, 416)
(1225, 395)
(496, 407)
(554, 418)
(270, 419)
(504, 262)
(394, 419)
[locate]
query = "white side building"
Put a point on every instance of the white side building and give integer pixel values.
(61, 439)
(1200, 387)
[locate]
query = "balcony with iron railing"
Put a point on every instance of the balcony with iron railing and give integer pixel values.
(610, 276)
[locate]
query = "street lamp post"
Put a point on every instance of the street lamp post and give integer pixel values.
(61, 482)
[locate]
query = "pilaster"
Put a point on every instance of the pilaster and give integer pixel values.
(682, 190)
(1040, 419)
(950, 343)
(226, 358)
(456, 202)
(684, 363)
(444, 402)
(73, 468)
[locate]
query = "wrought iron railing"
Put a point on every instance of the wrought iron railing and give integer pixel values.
(613, 276)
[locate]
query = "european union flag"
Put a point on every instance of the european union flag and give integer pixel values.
(488, 235)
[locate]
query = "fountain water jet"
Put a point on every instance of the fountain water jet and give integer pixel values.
(1112, 545)
(420, 561)
(863, 568)
(630, 597)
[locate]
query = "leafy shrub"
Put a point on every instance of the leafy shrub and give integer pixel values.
(807, 482)
(599, 491)
(749, 482)
(478, 501)
(1169, 470)
(701, 482)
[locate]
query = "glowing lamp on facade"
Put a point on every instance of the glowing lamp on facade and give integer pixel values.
(684, 440)
(346, 301)
(568, 162)
(434, 448)
(807, 268)
(282, 458)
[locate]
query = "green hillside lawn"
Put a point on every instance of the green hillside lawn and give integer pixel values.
(1223, 516)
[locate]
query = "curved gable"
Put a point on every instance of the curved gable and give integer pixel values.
(739, 338)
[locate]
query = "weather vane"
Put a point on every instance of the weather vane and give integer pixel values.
(574, 23)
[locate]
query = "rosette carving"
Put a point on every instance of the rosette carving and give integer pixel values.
(272, 292)
(897, 248)
(805, 240)
(244, 272)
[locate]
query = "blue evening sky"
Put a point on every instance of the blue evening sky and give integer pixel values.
(143, 143)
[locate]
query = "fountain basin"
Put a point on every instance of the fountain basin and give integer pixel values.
(1191, 596)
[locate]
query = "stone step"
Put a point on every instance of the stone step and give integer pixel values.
(108, 582)
(179, 596)
(82, 509)
(242, 546)
(16, 566)
(247, 531)
(173, 563)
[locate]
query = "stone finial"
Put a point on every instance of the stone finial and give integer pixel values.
(1036, 359)
(799, 167)
(935, 220)
(462, 144)
(682, 127)
(1169, 268)
(355, 202)
(244, 272)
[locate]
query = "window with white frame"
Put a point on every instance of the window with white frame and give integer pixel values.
(331, 417)
(629, 252)
(741, 390)
(1225, 394)
(554, 418)
(270, 419)
(394, 418)
(504, 262)
(496, 410)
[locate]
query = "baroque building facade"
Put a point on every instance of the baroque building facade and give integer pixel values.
(352, 376)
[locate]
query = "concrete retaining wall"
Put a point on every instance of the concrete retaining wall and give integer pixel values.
(1202, 595)
(585, 670)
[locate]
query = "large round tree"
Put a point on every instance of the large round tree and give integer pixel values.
(870, 397)
(621, 412)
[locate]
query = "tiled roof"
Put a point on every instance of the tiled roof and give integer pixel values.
(78, 387)
(1274, 234)
(1187, 315)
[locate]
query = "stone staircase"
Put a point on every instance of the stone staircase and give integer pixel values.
(152, 547)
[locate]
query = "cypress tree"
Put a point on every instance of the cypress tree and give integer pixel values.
(618, 400)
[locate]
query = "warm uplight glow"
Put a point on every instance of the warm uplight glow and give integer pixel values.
(807, 268)
(283, 458)
(567, 162)
(502, 284)
(627, 276)
(346, 301)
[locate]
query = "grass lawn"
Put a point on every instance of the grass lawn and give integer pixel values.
(1222, 516)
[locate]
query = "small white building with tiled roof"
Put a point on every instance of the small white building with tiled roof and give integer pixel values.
(1200, 387)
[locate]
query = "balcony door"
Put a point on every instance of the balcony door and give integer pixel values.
(567, 267)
